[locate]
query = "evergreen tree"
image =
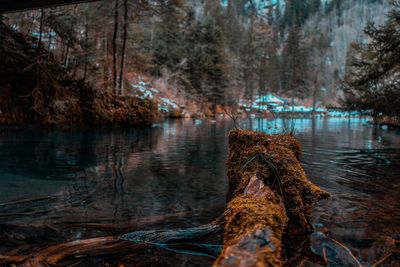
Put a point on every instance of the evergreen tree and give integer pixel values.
(273, 68)
(318, 67)
(315, 6)
(167, 46)
(373, 81)
(295, 66)
(213, 62)
(296, 12)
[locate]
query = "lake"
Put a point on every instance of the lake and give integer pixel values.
(72, 183)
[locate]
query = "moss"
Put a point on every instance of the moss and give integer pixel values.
(268, 192)
(257, 247)
(254, 224)
(275, 160)
(243, 139)
(246, 212)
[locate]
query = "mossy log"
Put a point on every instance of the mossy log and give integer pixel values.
(269, 196)
(254, 224)
(268, 193)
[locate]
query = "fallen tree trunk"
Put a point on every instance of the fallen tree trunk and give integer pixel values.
(269, 195)
(254, 225)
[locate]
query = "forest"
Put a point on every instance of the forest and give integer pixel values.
(201, 58)
(251, 133)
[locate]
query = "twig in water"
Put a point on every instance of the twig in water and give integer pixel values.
(382, 260)
(378, 158)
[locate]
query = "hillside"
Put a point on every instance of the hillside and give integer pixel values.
(36, 89)
(207, 55)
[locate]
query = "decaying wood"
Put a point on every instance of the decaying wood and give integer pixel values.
(12, 259)
(269, 194)
(254, 225)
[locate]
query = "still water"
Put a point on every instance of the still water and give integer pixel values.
(73, 183)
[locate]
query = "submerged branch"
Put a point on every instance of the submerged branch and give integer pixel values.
(99, 246)
(186, 241)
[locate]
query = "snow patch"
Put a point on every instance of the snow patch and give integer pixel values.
(144, 90)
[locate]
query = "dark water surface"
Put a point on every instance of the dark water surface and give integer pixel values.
(91, 182)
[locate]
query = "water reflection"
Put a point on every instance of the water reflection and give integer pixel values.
(173, 175)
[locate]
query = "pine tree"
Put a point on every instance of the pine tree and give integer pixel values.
(248, 59)
(167, 46)
(295, 66)
(373, 81)
(315, 6)
(318, 67)
(273, 68)
(213, 62)
(296, 13)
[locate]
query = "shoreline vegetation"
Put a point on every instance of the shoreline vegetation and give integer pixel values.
(372, 77)
(37, 89)
(389, 121)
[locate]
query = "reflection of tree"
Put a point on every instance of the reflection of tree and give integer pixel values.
(120, 177)
(86, 161)
(119, 191)
(60, 154)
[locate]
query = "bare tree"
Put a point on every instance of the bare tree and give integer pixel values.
(124, 37)
(114, 44)
(40, 29)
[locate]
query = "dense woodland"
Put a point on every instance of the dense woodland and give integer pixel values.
(209, 52)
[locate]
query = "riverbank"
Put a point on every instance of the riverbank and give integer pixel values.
(37, 89)
(389, 121)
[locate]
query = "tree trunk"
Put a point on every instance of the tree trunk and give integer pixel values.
(40, 29)
(314, 99)
(292, 101)
(86, 52)
(121, 73)
(114, 44)
(106, 65)
(76, 62)
(66, 55)
(268, 194)
(254, 226)
(49, 44)
(317, 87)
